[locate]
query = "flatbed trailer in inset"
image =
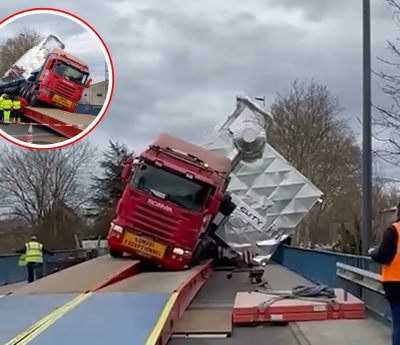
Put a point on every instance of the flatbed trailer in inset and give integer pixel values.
(62, 122)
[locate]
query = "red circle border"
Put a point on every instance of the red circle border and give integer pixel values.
(18, 143)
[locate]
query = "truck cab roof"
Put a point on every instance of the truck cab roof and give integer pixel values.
(215, 161)
(71, 57)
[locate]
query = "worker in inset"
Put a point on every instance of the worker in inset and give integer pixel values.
(16, 109)
(7, 106)
(388, 255)
(1, 107)
(33, 258)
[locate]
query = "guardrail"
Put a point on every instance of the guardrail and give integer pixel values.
(359, 275)
(320, 265)
(11, 273)
(369, 286)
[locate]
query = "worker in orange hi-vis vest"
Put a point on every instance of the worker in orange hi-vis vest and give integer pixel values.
(388, 255)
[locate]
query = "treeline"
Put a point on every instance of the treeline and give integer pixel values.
(65, 195)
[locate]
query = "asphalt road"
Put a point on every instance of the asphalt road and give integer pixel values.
(41, 134)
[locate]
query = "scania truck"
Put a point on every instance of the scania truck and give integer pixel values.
(49, 75)
(234, 195)
(60, 82)
(173, 191)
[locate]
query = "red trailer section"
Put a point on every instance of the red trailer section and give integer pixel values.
(62, 122)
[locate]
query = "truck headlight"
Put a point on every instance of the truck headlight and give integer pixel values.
(117, 228)
(178, 251)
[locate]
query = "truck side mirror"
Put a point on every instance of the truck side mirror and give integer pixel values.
(88, 82)
(214, 206)
(126, 172)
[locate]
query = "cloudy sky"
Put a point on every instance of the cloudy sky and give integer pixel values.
(179, 64)
(78, 41)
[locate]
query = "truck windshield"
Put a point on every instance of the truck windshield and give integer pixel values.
(70, 73)
(169, 186)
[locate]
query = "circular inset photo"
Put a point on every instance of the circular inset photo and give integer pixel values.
(56, 78)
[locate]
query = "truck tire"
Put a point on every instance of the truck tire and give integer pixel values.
(116, 253)
(23, 90)
(33, 101)
(206, 249)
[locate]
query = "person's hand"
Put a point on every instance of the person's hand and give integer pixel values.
(370, 251)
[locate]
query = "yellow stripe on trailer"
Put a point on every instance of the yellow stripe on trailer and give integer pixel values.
(40, 326)
(165, 313)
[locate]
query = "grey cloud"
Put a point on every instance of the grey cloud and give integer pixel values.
(63, 28)
(178, 67)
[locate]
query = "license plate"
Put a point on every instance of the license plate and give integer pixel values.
(144, 246)
(62, 100)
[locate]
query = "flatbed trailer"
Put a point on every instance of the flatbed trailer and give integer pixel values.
(62, 122)
(108, 301)
(50, 125)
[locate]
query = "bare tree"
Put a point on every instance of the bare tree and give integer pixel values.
(34, 183)
(387, 117)
(310, 134)
(14, 47)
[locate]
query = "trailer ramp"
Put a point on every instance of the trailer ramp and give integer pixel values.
(103, 301)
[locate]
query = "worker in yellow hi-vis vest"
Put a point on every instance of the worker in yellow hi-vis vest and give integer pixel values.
(1, 107)
(16, 109)
(7, 106)
(33, 258)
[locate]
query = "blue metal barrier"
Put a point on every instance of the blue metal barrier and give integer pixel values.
(319, 265)
(11, 273)
(88, 109)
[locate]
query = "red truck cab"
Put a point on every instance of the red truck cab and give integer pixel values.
(60, 82)
(173, 191)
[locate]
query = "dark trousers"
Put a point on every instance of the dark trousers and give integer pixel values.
(35, 271)
(395, 311)
(15, 115)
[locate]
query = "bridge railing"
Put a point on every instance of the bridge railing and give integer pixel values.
(368, 286)
(359, 275)
(11, 272)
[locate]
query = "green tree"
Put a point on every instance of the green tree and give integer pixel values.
(107, 187)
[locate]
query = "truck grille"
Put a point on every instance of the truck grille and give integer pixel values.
(64, 90)
(154, 221)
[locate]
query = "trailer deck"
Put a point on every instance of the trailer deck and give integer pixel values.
(41, 135)
(50, 125)
(60, 121)
(106, 301)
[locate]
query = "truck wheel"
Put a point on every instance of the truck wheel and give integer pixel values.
(33, 101)
(197, 255)
(204, 250)
(116, 253)
(22, 91)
